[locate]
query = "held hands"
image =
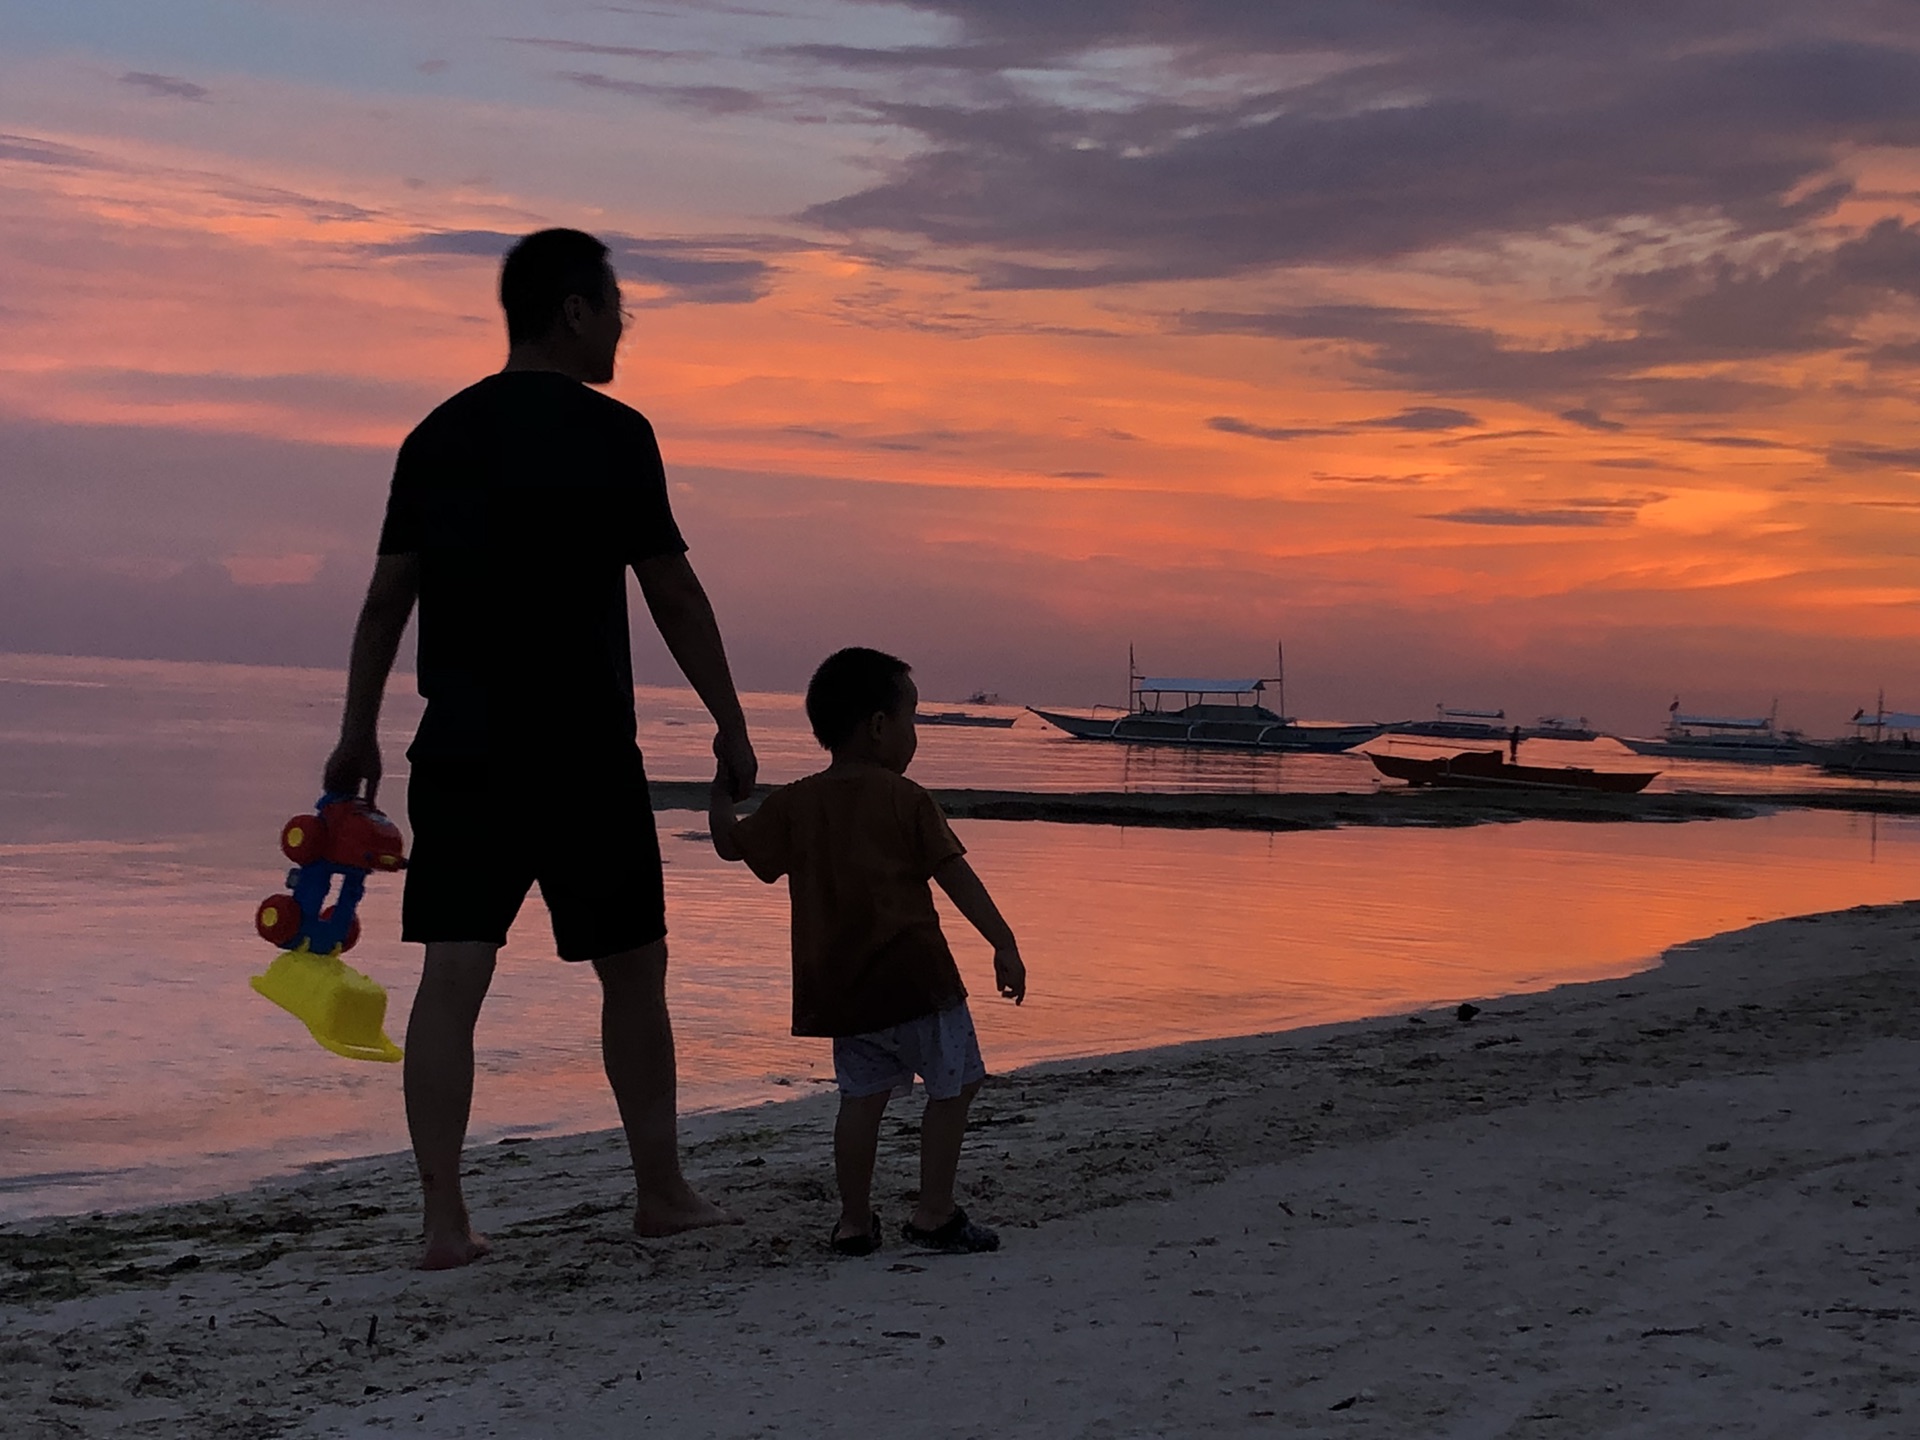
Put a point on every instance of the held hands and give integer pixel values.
(354, 759)
(1010, 972)
(738, 765)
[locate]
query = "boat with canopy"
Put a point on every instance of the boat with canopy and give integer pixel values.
(1209, 712)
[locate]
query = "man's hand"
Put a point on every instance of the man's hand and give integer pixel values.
(1010, 973)
(738, 765)
(353, 761)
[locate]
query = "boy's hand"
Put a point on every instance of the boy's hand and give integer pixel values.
(1010, 973)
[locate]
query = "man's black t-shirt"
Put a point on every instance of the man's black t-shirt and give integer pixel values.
(526, 498)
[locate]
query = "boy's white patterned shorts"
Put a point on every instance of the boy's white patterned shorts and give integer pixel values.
(940, 1048)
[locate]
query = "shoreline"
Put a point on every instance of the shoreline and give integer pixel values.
(1742, 1112)
(1401, 805)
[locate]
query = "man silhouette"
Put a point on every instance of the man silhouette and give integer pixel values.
(516, 509)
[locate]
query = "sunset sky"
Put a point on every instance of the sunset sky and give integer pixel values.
(1555, 356)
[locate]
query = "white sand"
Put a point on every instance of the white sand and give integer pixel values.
(1677, 1205)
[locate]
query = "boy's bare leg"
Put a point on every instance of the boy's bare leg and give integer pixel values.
(856, 1142)
(636, 1045)
(942, 1127)
(438, 1078)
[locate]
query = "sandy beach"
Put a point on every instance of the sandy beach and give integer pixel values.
(1681, 1204)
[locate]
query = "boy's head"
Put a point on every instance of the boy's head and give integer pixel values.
(860, 703)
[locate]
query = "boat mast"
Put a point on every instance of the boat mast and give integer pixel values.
(1280, 665)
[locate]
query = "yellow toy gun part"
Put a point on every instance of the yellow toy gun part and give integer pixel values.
(344, 1010)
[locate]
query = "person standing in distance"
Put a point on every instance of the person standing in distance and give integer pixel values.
(517, 508)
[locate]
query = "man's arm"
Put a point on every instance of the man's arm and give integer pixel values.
(955, 876)
(376, 640)
(680, 609)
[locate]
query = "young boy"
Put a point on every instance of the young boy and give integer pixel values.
(858, 843)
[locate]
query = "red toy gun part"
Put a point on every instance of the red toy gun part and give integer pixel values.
(277, 919)
(353, 928)
(302, 838)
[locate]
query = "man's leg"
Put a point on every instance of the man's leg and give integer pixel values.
(439, 1085)
(942, 1128)
(636, 1044)
(856, 1142)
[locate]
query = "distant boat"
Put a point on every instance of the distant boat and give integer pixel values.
(1562, 727)
(1242, 722)
(1452, 723)
(1751, 740)
(1882, 745)
(1488, 770)
(962, 717)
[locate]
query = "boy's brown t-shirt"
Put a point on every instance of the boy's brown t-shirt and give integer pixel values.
(858, 845)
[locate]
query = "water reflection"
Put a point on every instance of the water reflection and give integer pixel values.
(139, 806)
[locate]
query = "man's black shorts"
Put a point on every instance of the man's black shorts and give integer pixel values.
(586, 837)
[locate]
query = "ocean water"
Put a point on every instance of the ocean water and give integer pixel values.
(140, 804)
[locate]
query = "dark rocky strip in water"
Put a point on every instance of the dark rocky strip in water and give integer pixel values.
(1405, 806)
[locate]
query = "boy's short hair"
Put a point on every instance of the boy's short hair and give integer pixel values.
(850, 686)
(541, 271)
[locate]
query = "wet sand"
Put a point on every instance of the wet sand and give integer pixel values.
(1393, 805)
(1678, 1204)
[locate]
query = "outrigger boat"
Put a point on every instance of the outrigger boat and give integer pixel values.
(1489, 770)
(1452, 723)
(1751, 740)
(1217, 715)
(1882, 744)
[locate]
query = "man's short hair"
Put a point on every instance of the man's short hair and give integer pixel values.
(541, 271)
(849, 688)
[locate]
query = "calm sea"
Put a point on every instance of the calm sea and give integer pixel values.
(140, 805)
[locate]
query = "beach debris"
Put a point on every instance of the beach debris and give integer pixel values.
(1466, 1012)
(1346, 1404)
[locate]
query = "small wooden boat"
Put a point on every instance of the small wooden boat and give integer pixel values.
(1489, 770)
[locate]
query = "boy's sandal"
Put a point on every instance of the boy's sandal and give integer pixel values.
(856, 1244)
(959, 1236)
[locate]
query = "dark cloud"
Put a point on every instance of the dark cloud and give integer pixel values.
(1429, 125)
(585, 47)
(967, 59)
(1414, 417)
(1590, 419)
(1712, 314)
(1579, 518)
(170, 87)
(701, 272)
(32, 150)
(1872, 457)
(708, 99)
(1740, 442)
(1423, 417)
(1233, 425)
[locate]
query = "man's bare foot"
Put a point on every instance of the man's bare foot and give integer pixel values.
(655, 1216)
(451, 1251)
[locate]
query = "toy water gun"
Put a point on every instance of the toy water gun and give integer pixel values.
(345, 1010)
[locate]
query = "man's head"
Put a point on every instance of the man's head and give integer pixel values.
(860, 703)
(562, 300)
